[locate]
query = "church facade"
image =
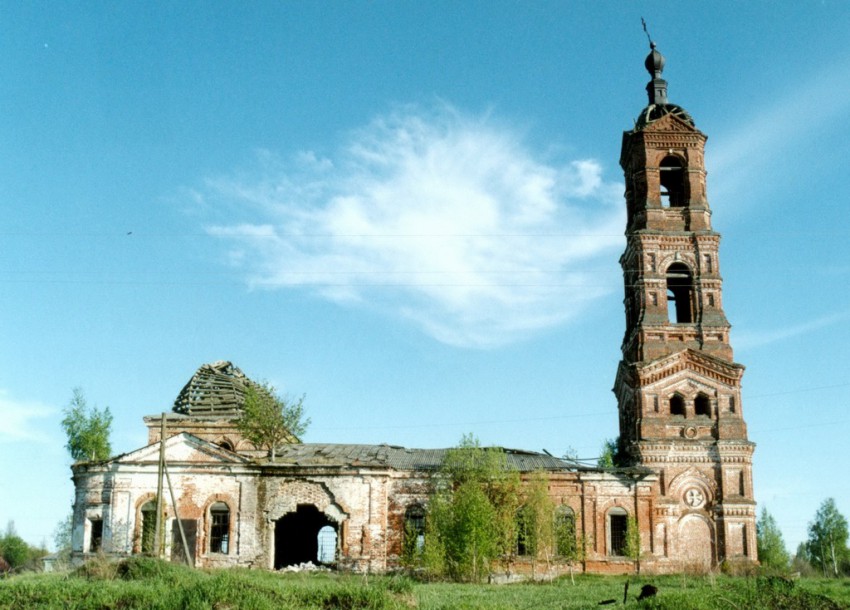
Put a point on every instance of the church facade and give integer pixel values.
(685, 479)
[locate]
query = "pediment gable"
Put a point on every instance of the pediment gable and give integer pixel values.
(183, 448)
(710, 368)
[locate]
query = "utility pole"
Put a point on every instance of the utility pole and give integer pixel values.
(159, 529)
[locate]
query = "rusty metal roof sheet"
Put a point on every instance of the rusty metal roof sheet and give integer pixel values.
(401, 458)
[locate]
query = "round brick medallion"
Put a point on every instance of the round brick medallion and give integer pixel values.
(694, 498)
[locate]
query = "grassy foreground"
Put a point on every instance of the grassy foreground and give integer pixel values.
(149, 584)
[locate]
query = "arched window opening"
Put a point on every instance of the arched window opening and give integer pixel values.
(219, 528)
(702, 405)
(565, 532)
(521, 534)
(677, 405)
(618, 525)
(226, 445)
(679, 294)
(672, 178)
(414, 529)
(148, 527)
(327, 545)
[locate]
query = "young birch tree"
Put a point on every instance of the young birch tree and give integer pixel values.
(471, 517)
(87, 429)
(537, 519)
(268, 420)
(771, 548)
(827, 544)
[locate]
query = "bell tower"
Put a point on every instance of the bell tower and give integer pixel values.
(678, 387)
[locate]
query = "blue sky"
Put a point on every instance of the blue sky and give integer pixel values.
(410, 212)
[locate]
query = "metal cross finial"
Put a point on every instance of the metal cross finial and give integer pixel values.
(645, 31)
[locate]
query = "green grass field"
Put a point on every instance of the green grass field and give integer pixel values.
(152, 585)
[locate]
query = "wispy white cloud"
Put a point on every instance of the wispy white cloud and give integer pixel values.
(770, 129)
(20, 419)
(444, 219)
(761, 338)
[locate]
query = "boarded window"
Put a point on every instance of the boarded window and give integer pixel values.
(178, 553)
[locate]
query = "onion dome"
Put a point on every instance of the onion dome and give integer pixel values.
(656, 89)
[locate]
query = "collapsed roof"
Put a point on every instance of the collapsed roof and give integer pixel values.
(216, 389)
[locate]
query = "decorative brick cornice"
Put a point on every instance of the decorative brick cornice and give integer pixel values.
(729, 373)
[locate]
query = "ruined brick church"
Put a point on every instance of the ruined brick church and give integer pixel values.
(688, 480)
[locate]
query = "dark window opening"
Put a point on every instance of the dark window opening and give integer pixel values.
(672, 178)
(679, 294)
(226, 445)
(702, 405)
(521, 534)
(414, 528)
(731, 404)
(677, 405)
(296, 537)
(618, 525)
(219, 528)
(148, 527)
(565, 532)
(96, 538)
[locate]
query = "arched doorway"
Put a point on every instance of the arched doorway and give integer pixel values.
(695, 542)
(296, 537)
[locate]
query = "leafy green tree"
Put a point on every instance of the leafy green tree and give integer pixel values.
(771, 548)
(569, 548)
(472, 514)
(537, 521)
(268, 420)
(87, 429)
(611, 456)
(827, 543)
(17, 553)
(632, 549)
(411, 549)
